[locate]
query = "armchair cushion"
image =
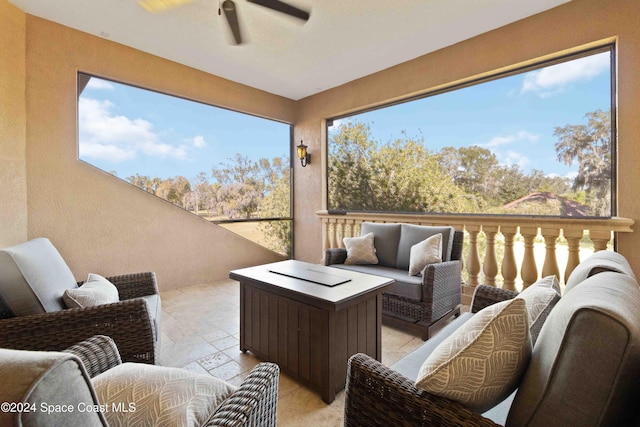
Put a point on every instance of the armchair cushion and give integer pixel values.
(598, 262)
(34, 277)
(96, 290)
(386, 241)
(412, 234)
(34, 378)
(158, 395)
(429, 251)
(481, 363)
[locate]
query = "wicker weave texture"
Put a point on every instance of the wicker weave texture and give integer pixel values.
(98, 354)
(379, 396)
(254, 403)
(486, 295)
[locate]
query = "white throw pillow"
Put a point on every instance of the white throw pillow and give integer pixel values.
(482, 362)
(150, 395)
(96, 290)
(429, 251)
(540, 298)
(360, 250)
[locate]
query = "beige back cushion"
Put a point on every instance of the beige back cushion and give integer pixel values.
(33, 277)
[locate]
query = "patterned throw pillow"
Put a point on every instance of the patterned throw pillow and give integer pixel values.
(429, 251)
(360, 250)
(482, 362)
(95, 291)
(138, 394)
(540, 298)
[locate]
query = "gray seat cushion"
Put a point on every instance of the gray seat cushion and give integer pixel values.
(33, 278)
(47, 378)
(405, 285)
(386, 238)
(585, 365)
(155, 310)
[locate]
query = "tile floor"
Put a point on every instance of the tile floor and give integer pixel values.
(200, 330)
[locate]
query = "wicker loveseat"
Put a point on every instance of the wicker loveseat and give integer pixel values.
(87, 385)
(584, 367)
(33, 316)
(417, 303)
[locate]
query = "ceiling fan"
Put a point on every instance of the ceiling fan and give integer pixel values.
(229, 9)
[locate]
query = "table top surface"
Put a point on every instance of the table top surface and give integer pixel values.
(357, 284)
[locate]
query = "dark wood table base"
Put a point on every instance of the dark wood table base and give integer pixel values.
(310, 341)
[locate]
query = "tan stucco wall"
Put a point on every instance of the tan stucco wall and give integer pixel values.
(565, 28)
(13, 172)
(99, 223)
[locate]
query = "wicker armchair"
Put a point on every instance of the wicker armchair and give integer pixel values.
(254, 403)
(439, 295)
(132, 322)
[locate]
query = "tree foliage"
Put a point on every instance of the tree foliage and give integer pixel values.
(403, 175)
(590, 146)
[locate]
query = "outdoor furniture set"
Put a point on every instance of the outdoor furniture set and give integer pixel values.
(102, 323)
(426, 292)
(529, 359)
(543, 357)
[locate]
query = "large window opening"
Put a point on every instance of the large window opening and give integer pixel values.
(536, 141)
(230, 168)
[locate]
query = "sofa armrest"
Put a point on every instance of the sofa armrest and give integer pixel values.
(335, 256)
(98, 354)
(376, 395)
(254, 403)
(128, 323)
(485, 296)
(134, 285)
(441, 287)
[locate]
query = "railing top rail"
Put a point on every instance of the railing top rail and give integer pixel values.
(617, 224)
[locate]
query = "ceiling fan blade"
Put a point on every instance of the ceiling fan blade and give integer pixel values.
(229, 8)
(154, 6)
(282, 7)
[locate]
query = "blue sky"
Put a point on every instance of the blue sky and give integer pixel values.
(514, 117)
(130, 130)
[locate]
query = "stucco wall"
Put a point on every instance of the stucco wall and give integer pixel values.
(563, 29)
(13, 172)
(99, 223)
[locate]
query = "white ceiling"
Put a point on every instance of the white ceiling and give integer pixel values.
(342, 41)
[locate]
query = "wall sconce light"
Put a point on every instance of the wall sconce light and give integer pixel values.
(305, 158)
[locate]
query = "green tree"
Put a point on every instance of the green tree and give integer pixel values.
(590, 146)
(401, 175)
(174, 190)
(276, 204)
(145, 182)
(240, 187)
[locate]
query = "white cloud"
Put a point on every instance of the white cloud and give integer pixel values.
(95, 83)
(107, 136)
(199, 142)
(555, 79)
(508, 139)
(515, 158)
